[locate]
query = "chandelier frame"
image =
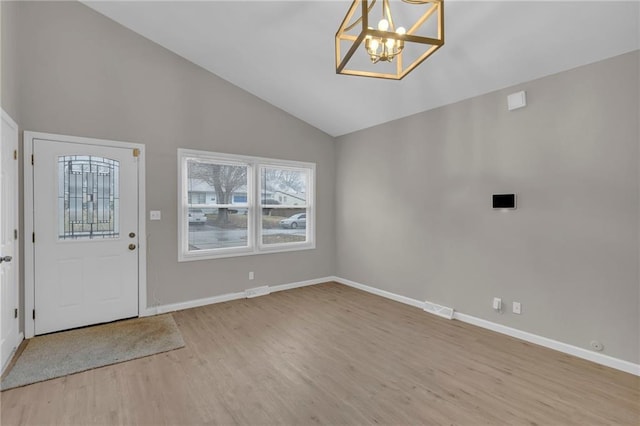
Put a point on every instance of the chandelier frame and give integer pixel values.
(433, 44)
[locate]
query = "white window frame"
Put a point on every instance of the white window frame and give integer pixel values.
(254, 207)
(310, 235)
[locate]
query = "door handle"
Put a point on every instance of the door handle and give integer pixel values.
(5, 259)
(132, 246)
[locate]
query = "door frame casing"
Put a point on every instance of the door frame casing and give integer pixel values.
(16, 254)
(29, 253)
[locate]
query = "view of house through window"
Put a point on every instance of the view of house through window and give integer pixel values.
(283, 200)
(235, 205)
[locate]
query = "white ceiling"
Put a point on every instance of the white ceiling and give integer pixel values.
(283, 51)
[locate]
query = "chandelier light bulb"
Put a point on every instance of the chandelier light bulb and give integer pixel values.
(383, 25)
(390, 43)
(374, 44)
(401, 31)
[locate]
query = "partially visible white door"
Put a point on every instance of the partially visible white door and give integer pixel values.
(86, 234)
(9, 334)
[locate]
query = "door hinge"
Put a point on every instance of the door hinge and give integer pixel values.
(34, 314)
(15, 154)
(32, 159)
(136, 152)
(15, 313)
(15, 234)
(33, 237)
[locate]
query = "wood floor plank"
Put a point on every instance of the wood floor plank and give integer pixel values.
(330, 354)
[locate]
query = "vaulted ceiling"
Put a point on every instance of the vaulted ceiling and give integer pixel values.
(283, 51)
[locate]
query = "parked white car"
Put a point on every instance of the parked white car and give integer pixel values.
(197, 216)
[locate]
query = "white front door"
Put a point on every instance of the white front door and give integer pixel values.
(85, 202)
(9, 335)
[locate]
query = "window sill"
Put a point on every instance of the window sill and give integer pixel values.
(194, 256)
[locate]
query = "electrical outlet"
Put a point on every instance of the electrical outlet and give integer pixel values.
(517, 308)
(251, 276)
(497, 303)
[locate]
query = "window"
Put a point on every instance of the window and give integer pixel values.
(88, 197)
(233, 205)
(287, 212)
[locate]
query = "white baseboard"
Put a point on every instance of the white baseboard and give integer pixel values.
(576, 351)
(289, 286)
(383, 293)
(162, 309)
(566, 348)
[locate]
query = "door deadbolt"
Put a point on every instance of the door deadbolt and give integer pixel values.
(132, 234)
(132, 246)
(5, 259)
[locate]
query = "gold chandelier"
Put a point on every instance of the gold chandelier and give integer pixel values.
(386, 43)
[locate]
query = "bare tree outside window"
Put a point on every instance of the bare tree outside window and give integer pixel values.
(225, 179)
(283, 179)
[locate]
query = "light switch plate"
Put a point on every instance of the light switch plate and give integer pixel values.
(155, 215)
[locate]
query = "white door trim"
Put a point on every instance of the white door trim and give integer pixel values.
(29, 265)
(16, 255)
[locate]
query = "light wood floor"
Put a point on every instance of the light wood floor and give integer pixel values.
(329, 354)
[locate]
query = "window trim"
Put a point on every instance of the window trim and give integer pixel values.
(254, 206)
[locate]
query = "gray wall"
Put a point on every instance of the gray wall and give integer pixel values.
(8, 68)
(414, 212)
(82, 74)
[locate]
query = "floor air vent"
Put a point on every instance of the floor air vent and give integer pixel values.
(439, 310)
(257, 291)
